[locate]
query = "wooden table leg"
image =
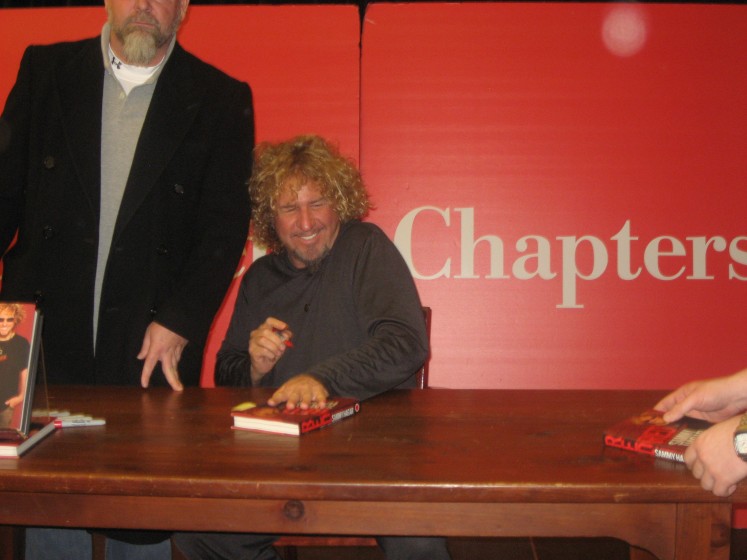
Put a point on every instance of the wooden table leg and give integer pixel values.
(12, 542)
(703, 532)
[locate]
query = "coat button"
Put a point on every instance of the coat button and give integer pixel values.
(162, 250)
(153, 312)
(38, 296)
(178, 189)
(48, 162)
(48, 232)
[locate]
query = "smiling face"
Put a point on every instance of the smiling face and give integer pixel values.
(141, 30)
(7, 324)
(306, 224)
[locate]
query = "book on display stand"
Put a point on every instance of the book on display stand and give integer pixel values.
(23, 420)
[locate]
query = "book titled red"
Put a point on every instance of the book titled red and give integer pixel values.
(279, 420)
(648, 433)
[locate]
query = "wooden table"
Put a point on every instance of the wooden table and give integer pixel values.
(433, 462)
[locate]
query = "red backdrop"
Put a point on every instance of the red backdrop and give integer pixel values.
(565, 180)
(567, 183)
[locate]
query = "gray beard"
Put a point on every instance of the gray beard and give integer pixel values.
(139, 48)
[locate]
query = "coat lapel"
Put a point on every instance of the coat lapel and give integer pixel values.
(80, 85)
(172, 110)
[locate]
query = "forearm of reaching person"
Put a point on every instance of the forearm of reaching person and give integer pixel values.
(714, 400)
(714, 461)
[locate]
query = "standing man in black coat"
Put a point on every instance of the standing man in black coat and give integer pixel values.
(123, 205)
(123, 169)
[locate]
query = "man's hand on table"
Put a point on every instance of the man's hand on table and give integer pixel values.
(304, 391)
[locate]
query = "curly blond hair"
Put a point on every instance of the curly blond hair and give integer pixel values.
(16, 309)
(293, 164)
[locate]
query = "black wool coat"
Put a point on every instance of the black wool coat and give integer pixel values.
(182, 223)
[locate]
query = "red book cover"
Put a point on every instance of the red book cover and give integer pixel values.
(648, 433)
(278, 420)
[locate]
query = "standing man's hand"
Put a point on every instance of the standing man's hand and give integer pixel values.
(162, 345)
